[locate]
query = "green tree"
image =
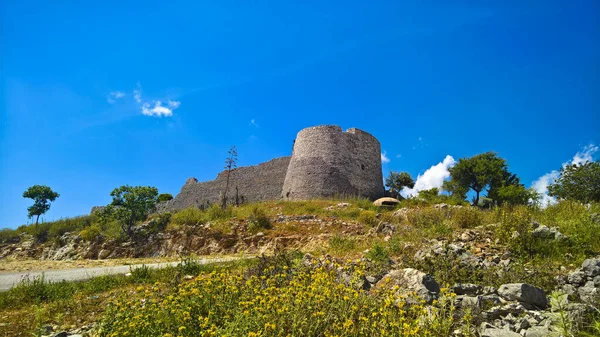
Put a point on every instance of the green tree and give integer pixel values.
(578, 183)
(516, 194)
(42, 197)
(230, 164)
(430, 194)
(397, 181)
(482, 172)
(165, 197)
(130, 205)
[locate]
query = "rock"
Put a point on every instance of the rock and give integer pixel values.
(387, 201)
(411, 280)
(589, 293)
(495, 332)
(525, 293)
(514, 309)
(61, 334)
(540, 331)
(103, 254)
(591, 267)
(467, 289)
(544, 232)
(576, 277)
(310, 261)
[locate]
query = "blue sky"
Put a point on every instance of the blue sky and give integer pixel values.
(94, 95)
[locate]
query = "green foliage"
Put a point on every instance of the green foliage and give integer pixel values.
(467, 217)
(215, 212)
(164, 197)
(130, 205)
(71, 225)
(378, 254)
(430, 195)
(159, 222)
(341, 244)
(258, 220)
(516, 194)
(90, 233)
(578, 182)
(397, 181)
(368, 218)
(42, 197)
(484, 171)
(191, 216)
(8, 235)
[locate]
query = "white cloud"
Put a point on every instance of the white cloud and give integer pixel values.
(137, 93)
(384, 158)
(541, 184)
(433, 177)
(112, 97)
(158, 110)
(398, 156)
(253, 122)
(153, 108)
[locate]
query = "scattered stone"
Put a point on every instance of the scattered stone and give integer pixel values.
(591, 267)
(544, 232)
(525, 293)
(495, 332)
(411, 280)
(540, 331)
(467, 289)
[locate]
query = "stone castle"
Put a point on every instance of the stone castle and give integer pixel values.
(325, 162)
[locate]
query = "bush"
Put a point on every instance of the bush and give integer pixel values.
(368, 218)
(159, 222)
(340, 244)
(164, 197)
(215, 212)
(467, 217)
(90, 233)
(378, 254)
(258, 220)
(190, 216)
(8, 235)
(426, 217)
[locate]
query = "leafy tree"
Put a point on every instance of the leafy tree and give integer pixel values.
(230, 164)
(430, 194)
(578, 182)
(42, 197)
(516, 194)
(165, 197)
(130, 204)
(484, 171)
(397, 181)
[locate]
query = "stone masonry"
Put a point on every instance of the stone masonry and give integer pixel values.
(325, 162)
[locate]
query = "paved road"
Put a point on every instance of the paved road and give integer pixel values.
(8, 280)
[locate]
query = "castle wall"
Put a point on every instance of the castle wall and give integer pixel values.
(327, 162)
(256, 183)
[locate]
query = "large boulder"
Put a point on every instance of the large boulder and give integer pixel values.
(524, 293)
(410, 280)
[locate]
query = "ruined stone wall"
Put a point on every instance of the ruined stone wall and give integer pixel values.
(327, 162)
(256, 183)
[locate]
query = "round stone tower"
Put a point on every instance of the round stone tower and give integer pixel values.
(328, 162)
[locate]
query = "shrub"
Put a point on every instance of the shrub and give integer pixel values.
(90, 233)
(378, 254)
(340, 244)
(215, 212)
(8, 235)
(258, 220)
(164, 197)
(159, 222)
(190, 216)
(467, 217)
(368, 218)
(426, 217)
